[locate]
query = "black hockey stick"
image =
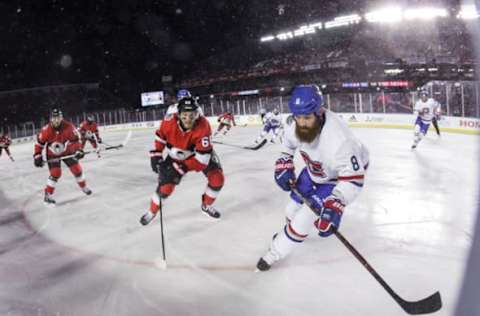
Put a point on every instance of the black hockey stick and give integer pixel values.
(253, 147)
(424, 306)
(109, 146)
(85, 152)
(163, 264)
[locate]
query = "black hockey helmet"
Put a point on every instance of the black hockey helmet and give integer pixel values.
(187, 104)
(56, 117)
(56, 113)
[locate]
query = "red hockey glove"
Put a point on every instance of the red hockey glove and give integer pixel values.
(330, 217)
(284, 173)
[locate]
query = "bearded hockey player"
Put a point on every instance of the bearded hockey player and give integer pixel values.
(59, 138)
(89, 131)
(185, 137)
(335, 164)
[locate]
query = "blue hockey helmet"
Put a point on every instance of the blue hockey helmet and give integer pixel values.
(305, 99)
(183, 93)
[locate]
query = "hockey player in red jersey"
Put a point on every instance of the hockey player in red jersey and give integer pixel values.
(186, 137)
(4, 144)
(226, 120)
(89, 131)
(60, 139)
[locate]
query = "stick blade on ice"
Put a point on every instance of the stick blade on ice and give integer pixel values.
(428, 305)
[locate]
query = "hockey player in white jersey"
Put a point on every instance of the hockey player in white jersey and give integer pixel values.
(182, 93)
(332, 178)
(272, 121)
(426, 108)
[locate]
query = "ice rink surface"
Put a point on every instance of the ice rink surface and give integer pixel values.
(90, 256)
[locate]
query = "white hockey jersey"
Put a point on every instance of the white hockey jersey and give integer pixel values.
(173, 108)
(427, 110)
(335, 156)
(274, 120)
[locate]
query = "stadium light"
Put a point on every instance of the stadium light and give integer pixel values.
(424, 13)
(385, 15)
(304, 29)
(284, 36)
(468, 12)
(317, 25)
(343, 20)
(267, 38)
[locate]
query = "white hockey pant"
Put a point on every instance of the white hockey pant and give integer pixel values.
(301, 224)
(418, 135)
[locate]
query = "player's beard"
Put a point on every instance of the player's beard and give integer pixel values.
(308, 134)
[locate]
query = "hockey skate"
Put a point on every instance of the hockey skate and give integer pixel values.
(48, 200)
(147, 218)
(210, 211)
(86, 190)
(265, 262)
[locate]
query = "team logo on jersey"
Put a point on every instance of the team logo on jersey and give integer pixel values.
(89, 134)
(315, 167)
(57, 148)
(180, 154)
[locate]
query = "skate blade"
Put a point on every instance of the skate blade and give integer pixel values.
(211, 217)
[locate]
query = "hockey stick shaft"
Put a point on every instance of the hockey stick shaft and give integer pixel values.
(85, 152)
(66, 157)
(163, 236)
(164, 256)
(425, 306)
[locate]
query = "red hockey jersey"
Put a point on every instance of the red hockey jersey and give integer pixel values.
(227, 119)
(191, 148)
(87, 130)
(5, 141)
(59, 142)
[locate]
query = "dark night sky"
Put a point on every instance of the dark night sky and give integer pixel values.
(130, 44)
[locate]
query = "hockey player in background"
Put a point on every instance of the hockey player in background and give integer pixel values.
(59, 138)
(425, 109)
(89, 131)
(5, 142)
(186, 138)
(225, 120)
(272, 121)
(173, 108)
(332, 178)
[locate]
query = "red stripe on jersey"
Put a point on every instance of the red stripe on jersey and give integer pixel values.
(350, 178)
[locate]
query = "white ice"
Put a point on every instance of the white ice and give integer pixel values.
(90, 256)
